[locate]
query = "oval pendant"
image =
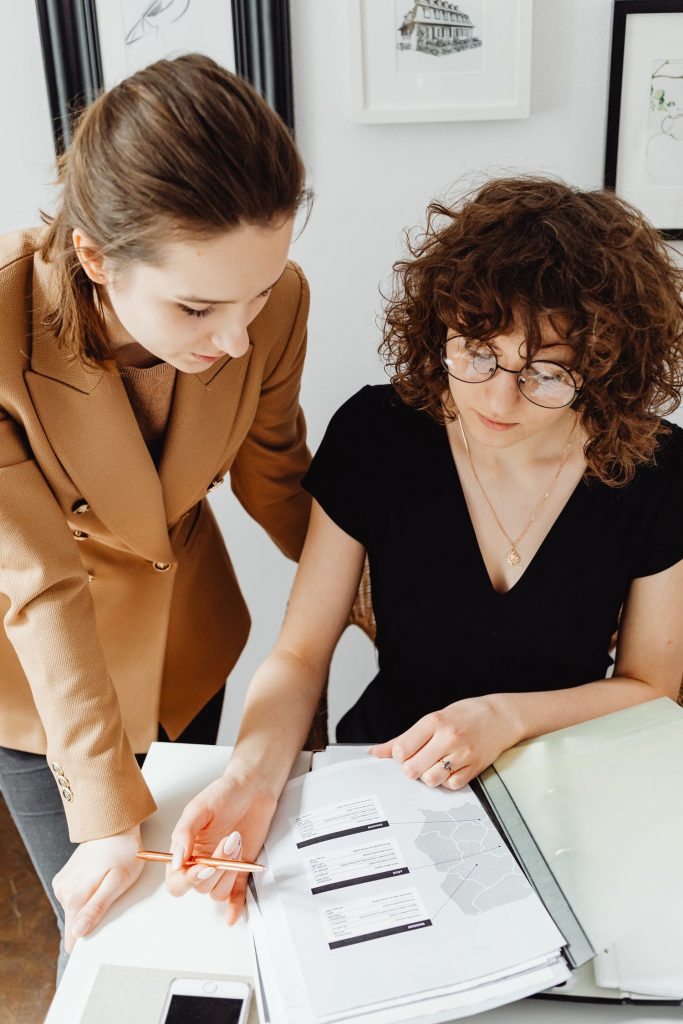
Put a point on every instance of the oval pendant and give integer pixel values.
(512, 558)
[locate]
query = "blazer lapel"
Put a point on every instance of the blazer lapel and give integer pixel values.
(92, 429)
(203, 413)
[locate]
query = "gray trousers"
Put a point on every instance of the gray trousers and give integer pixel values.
(36, 807)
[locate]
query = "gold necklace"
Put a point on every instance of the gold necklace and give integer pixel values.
(513, 556)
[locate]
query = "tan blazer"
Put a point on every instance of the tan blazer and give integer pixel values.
(120, 605)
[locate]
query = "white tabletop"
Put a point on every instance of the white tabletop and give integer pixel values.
(149, 928)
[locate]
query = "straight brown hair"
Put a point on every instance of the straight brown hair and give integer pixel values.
(180, 150)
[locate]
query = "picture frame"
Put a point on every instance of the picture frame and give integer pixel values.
(89, 45)
(644, 142)
(437, 60)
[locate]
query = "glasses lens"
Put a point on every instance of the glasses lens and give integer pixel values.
(547, 384)
(469, 363)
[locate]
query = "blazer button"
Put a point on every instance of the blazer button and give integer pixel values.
(67, 794)
(80, 507)
(79, 535)
(57, 768)
(161, 566)
(214, 484)
(91, 577)
(63, 781)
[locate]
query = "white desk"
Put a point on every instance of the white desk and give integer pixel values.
(149, 928)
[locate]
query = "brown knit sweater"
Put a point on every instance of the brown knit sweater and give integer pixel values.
(150, 393)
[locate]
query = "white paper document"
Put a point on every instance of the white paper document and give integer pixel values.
(388, 892)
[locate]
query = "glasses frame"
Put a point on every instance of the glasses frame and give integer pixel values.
(505, 369)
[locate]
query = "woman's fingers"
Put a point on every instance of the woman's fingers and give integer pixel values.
(81, 920)
(205, 879)
(424, 763)
(194, 818)
(95, 875)
(382, 749)
(213, 880)
(223, 887)
(460, 778)
(236, 899)
(444, 769)
(402, 747)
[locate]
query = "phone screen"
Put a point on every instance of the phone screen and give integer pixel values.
(203, 1010)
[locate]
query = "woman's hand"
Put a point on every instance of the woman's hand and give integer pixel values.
(467, 736)
(230, 819)
(95, 875)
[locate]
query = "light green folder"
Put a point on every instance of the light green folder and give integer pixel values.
(595, 815)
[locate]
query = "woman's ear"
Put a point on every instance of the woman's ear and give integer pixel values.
(90, 257)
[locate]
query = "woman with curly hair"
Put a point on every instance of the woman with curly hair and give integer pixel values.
(515, 491)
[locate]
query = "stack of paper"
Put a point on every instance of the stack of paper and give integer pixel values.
(383, 897)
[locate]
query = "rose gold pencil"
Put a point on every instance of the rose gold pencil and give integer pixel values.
(209, 862)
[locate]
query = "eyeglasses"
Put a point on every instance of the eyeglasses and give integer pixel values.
(544, 383)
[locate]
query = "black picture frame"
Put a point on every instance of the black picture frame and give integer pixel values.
(622, 10)
(73, 65)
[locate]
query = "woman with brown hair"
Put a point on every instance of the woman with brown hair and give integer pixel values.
(153, 341)
(516, 493)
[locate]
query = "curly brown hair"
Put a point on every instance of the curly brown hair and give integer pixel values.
(517, 249)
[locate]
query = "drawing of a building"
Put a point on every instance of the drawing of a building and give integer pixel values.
(437, 26)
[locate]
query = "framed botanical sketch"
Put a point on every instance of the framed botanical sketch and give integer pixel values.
(89, 45)
(644, 151)
(435, 60)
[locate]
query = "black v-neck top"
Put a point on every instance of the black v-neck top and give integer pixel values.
(385, 474)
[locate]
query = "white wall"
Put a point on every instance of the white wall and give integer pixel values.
(371, 182)
(28, 155)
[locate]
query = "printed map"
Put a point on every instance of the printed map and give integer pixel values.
(479, 871)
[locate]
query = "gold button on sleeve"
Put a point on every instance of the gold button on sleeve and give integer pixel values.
(161, 566)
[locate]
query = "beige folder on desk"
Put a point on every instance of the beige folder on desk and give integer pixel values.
(595, 814)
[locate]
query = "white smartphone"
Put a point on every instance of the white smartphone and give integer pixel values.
(205, 1001)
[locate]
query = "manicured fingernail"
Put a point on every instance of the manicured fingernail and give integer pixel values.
(232, 847)
(178, 857)
(80, 927)
(205, 873)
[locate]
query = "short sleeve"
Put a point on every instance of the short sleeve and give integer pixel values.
(662, 537)
(337, 477)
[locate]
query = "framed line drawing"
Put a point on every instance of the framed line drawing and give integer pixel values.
(89, 45)
(644, 147)
(436, 60)
(135, 33)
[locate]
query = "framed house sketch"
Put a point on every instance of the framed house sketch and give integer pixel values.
(644, 149)
(437, 60)
(89, 45)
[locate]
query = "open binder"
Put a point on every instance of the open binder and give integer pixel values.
(593, 814)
